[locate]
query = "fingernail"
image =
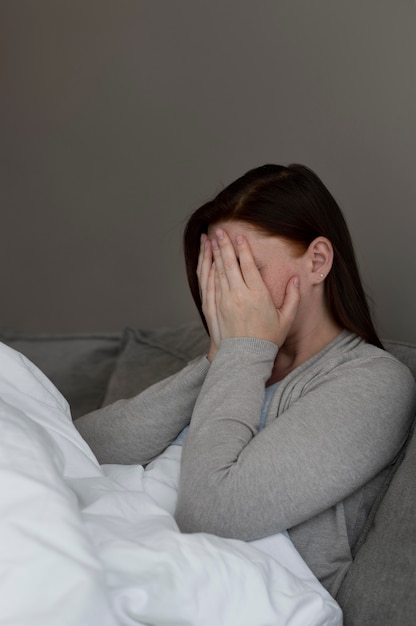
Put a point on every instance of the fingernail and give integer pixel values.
(219, 233)
(296, 282)
(239, 239)
(214, 244)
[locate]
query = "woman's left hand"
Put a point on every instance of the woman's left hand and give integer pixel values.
(244, 305)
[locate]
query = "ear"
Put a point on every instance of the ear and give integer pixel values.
(321, 255)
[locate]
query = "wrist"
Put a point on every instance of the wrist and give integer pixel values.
(211, 353)
(253, 345)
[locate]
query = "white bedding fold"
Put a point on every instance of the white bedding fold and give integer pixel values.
(84, 545)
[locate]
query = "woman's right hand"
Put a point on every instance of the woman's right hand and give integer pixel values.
(206, 277)
(244, 305)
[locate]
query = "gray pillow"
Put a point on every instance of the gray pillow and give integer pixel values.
(405, 352)
(78, 365)
(150, 355)
(380, 585)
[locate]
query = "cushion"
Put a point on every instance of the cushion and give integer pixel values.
(148, 356)
(405, 352)
(78, 365)
(380, 585)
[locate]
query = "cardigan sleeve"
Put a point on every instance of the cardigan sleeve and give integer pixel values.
(346, 427)
(138, 429)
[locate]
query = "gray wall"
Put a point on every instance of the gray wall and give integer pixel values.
(120, 117)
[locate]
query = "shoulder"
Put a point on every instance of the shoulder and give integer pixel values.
(354, 354)
(348, 351)
(362, 373)
(351, 371)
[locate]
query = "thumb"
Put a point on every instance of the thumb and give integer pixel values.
(292, 299)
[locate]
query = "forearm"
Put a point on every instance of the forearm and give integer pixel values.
(225, 420)
(138, 429)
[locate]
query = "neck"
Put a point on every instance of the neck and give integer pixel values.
(301, 345)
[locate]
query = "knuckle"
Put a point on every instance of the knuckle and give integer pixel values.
(229, 265)
(238, 297)
(245, 265)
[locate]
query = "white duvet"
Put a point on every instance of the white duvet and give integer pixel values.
(89, 545)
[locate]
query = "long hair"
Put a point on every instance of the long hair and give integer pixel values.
(290, 202)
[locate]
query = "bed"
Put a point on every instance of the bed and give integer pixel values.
(90, 545)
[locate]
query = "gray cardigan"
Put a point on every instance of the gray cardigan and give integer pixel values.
(342, 419)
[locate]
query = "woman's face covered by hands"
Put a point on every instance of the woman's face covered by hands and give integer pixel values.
(249, 283)
(276, 259)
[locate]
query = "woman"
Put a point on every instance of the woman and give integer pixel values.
(297, 412)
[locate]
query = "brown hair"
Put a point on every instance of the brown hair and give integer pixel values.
(290, 202)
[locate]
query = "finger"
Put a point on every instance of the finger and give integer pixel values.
(221, 281)
(248, 268)
(210, 292)
(210, 309)
(201, 253)
(211, 313)
(204, 264)
(227, 264)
